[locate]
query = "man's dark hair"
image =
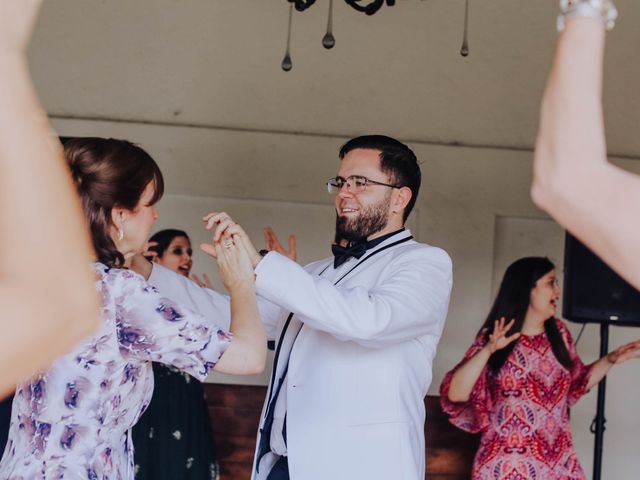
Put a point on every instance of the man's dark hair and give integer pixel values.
(396, 159)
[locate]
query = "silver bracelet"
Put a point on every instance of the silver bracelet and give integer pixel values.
(604, 10)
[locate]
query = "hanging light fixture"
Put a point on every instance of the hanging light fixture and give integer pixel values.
(329, 41)
(286, 64)
(464, 50)
(371, 8)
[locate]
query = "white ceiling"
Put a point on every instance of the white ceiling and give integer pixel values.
(216, 63)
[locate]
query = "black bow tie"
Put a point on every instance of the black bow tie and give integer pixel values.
(342, 254)
(357, 249)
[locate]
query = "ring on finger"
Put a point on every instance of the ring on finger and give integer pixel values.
(228, 243)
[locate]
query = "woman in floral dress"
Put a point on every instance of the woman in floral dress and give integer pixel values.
(517, 381)
(74, 420)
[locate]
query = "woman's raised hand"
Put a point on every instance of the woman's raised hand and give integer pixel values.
(499, 339)
(236, 270)
(148, 252)
(17, 18)
(624, 352)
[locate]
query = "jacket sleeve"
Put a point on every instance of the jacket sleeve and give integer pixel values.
(410, 299)
(209, 303)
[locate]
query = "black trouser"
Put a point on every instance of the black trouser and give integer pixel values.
(280, 470)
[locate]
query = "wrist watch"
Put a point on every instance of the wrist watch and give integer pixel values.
(261, 254)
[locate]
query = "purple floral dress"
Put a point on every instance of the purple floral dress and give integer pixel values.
(74, 420)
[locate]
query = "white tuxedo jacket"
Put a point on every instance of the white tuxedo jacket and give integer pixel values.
(360, 357)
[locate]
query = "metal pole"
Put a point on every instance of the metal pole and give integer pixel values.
(600, 420)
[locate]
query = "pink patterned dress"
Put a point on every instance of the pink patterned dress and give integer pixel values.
(523, 412)
(73, 422)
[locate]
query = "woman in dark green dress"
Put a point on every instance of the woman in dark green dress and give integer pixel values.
(173, 439)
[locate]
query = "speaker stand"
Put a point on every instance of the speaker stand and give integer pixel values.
(597, 426)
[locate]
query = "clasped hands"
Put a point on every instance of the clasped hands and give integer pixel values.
(233, 250)
(228, 235)
(225, 227)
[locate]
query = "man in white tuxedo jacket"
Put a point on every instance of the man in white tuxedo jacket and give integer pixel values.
(356, 334)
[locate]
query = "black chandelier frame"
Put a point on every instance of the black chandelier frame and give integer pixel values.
(368, 9)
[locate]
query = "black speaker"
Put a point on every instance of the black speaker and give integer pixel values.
(593, 293)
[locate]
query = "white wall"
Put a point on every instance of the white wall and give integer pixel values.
(198, 84)
(474, 203)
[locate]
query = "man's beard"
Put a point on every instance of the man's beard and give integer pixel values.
(370, 220)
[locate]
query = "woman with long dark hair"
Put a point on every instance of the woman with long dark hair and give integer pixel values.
(74, 420)
(517, 381)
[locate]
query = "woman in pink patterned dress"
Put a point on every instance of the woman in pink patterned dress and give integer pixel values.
(517, 381)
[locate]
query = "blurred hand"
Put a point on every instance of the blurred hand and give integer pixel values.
(139, 264)
(625, 352)
(17, 18)
(273, 244)
(204, 282)
(499, 339)
(149, 254)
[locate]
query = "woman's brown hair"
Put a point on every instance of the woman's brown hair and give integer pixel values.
(110, 173)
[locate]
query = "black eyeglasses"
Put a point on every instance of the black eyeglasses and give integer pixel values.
(354, 183)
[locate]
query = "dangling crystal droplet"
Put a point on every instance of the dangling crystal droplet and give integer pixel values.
(287, 64)
(464, 50)
(328, 41)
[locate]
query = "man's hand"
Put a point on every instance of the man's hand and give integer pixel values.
(273, 244)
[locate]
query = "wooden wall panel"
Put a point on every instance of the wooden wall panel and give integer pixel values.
(235, 411)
